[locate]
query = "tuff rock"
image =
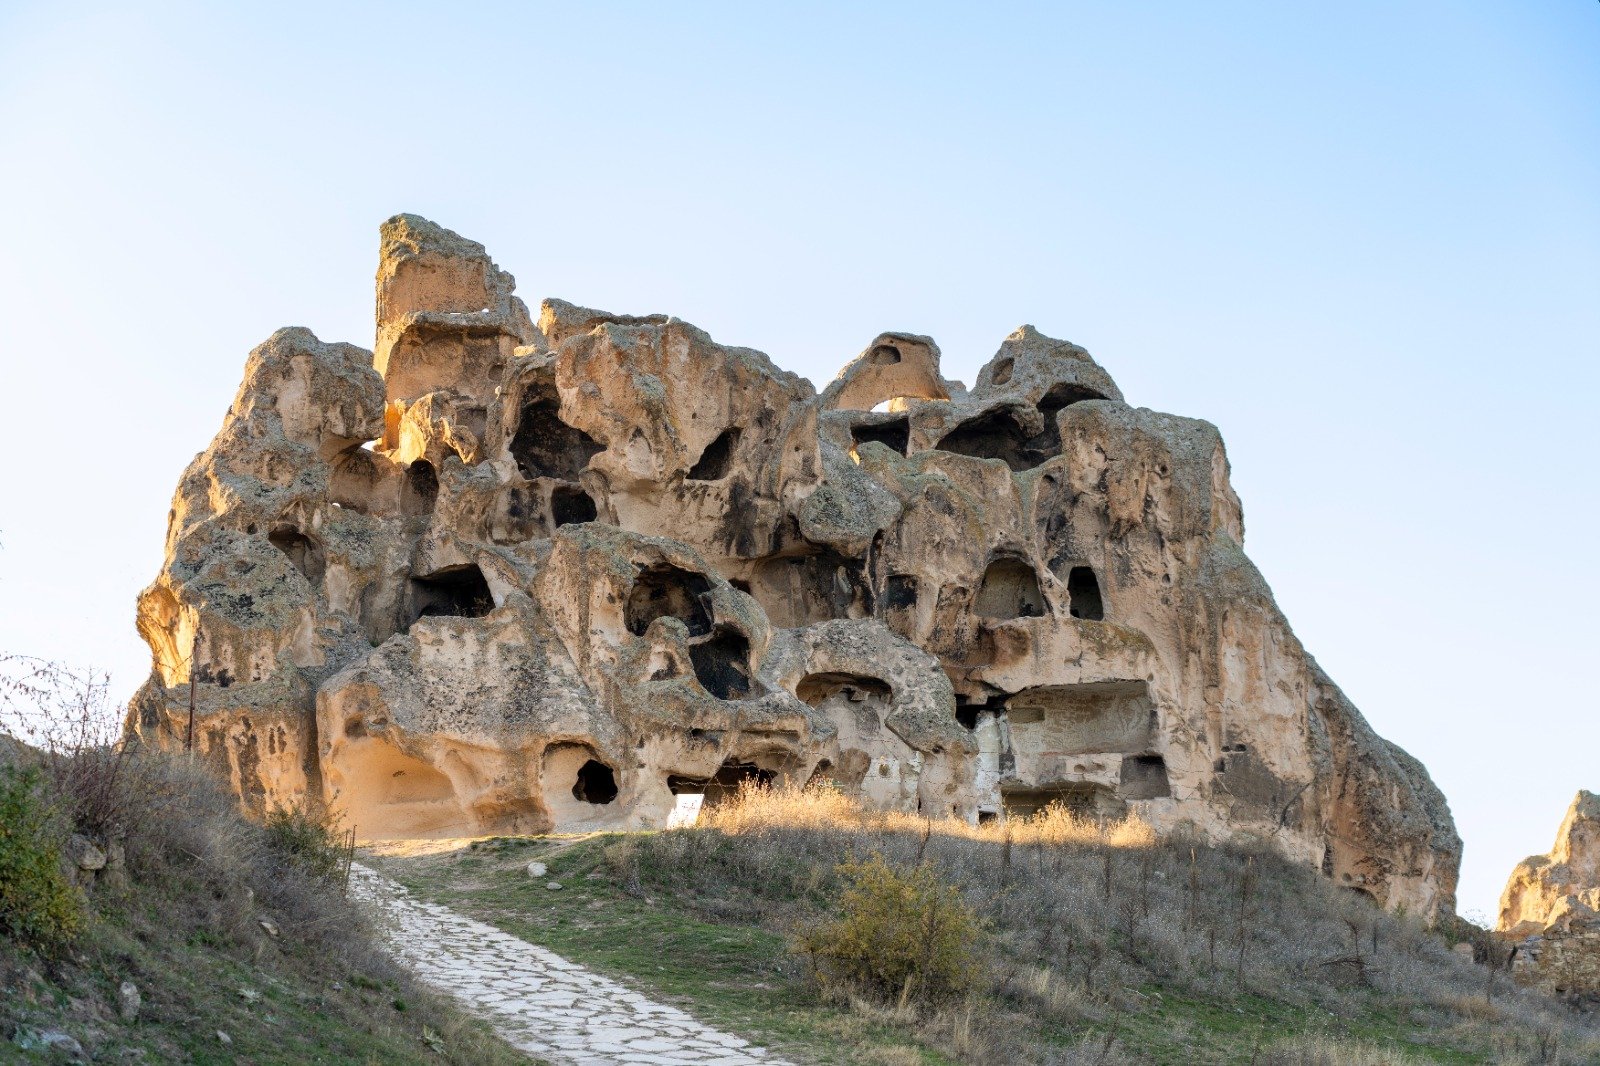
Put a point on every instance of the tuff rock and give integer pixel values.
(516, 573)
(1551, 907)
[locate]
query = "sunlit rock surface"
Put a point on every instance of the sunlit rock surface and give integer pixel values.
(514, 573)
(1551, 907)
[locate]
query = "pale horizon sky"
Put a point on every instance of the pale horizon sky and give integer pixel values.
(1363, 240)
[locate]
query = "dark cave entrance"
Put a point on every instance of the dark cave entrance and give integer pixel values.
(596, 783)
(1083, 595)
(995, 435)
(894, 434)
(1010, 589)
(421, 490)
(457, 591)
(570, 505)
(722, 663)
(1144, 777)
(665, 589)
(303, 552)
(717, 459)
(544, 445)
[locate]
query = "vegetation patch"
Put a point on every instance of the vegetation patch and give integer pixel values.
(185, 932)
(1102, 943)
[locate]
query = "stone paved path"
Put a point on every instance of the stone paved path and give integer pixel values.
(535, 999)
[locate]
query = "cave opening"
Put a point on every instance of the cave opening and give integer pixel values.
(1060, 396)
(814, 688)
(717, 459)
(967, 710)
(570, 505)
(1083, 595)
(995, 435)
(725, 784)
(456, 591)
(1144, 777)
(894, 434)
(663, 590)
(544, 445)
(596, 783)
(1082, 799)
(421, 491)
(900, 592)
(1010, 589)
(303, 552)
(883, 355)
(800, 590)
(722, 663)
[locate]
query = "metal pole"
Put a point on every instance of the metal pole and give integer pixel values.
(188, 741)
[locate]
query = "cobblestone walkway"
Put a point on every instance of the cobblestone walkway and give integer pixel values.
(535, 999)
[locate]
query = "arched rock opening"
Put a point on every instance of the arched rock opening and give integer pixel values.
(894, 434)
(722, 663)
(303, 552)
(596, 783)
(665, 589)
(1083, 595)
(717, 459)
(800, 590)
(570, 505)
(1144, 777)
(1010, 589)
(1083, 799)
(578, 787)
(544, 445)
(421, 491)
(994, 435)
(814, 688)
(458, 591)
(725, 784)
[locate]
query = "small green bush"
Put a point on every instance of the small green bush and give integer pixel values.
(899, 933)
(311, 841)
(38, 905)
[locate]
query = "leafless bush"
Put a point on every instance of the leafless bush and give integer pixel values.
(67, 717)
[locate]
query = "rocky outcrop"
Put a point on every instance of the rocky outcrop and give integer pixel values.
(1551, 906)
(517, 572)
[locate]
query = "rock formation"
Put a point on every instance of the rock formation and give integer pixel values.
(1551, 906)
(513, 574)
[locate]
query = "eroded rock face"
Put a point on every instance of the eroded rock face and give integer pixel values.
(1551, 906)
(516, 573)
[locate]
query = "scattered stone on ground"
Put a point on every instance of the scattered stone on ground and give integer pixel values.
(536, 1000)
(128, 1001)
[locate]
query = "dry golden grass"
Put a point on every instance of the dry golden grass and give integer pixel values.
(1101, 929)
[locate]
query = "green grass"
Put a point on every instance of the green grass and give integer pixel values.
(740, 976)
(736, 977)
(185, 928)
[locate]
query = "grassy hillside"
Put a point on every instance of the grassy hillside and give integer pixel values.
(1100, 945)
(236, 936)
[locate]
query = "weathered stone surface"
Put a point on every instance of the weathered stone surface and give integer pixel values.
(1551, 906)
(508, 574)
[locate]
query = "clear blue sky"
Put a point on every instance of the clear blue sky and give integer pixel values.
(1361, 238)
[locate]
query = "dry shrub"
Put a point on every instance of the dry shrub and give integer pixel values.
(899, 933)
(1318, 1050)
(1080, 912)
(310, 839)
